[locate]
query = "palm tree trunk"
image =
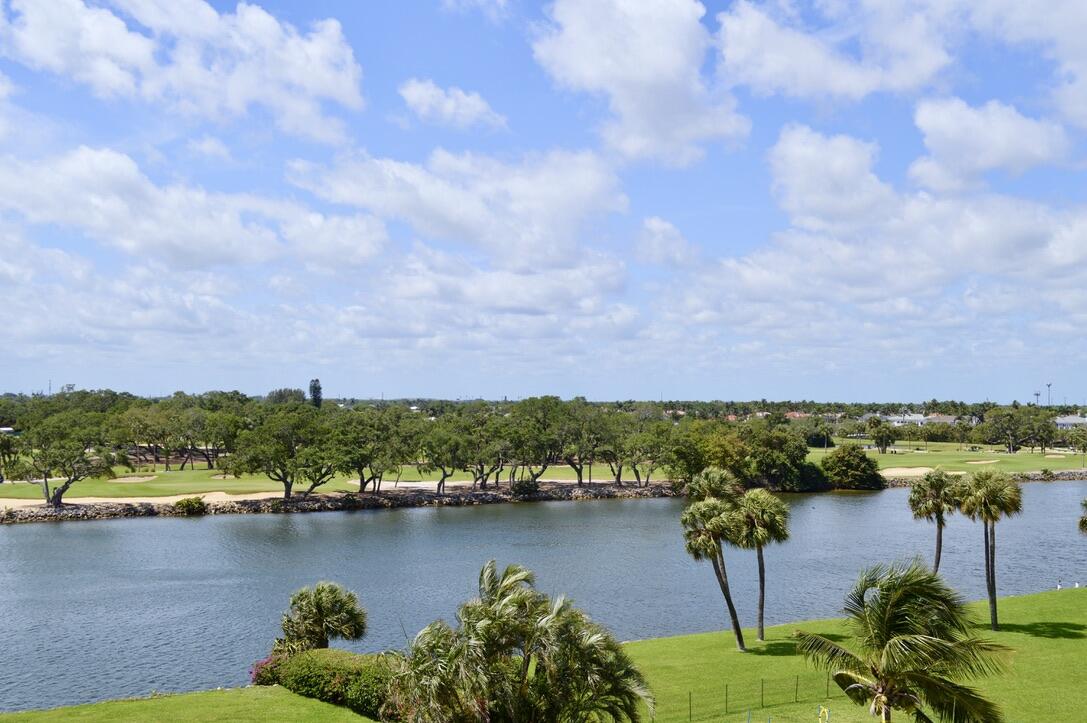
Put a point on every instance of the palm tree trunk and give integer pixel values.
(762, 589)
(992, 577)
(989, 591)
(722, 580)
(939, 543)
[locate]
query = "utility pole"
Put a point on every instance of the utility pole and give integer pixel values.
(1049, 394)
(1037, 399)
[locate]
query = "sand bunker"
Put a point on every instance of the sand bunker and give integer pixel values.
(133, 480)
(984, 461)
(164, 500)
(1055, 456)
(906, 471)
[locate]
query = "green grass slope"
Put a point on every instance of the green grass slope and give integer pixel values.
(688, 674)
(243, 705)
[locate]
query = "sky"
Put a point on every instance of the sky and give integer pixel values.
(848, 200)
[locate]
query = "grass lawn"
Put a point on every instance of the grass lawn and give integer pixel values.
(198, 481)
(236, 704)
(948, 456)
(1047, 681)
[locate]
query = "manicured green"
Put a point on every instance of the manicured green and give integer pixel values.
(255, 704)
(948, 456)
(1047, 681)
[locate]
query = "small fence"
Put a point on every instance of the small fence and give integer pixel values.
(752, 696)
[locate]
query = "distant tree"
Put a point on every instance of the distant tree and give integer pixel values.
(536, 434)
(9, 454)
(1078, 439)
(989, 496)
(849, 468)
(648, 449)
(581, 436)
(883, 435)
(67, 446)
(1083, 518)
(776, 455)
(912, 642)
(278, 447)
(319, 614)
(1007, 426)
(935, 497)
(315, 396)
(285, 396)
(760, 519)
(445, 448)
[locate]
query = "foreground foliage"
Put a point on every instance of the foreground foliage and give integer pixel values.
(317, 614)
(516, 655)
(913, 643)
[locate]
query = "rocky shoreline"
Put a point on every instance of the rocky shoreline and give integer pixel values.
(393, 499)
(336, 502)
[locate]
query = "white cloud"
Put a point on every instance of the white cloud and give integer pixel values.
(194, 59)
(106, 195)
(900, 48)
(646, 58)
(493, 9)
(211, 147)
(525, 213)
(451, 106)
(965, 141)
(661, 243)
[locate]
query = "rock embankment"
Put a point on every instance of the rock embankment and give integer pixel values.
(334, 502)
(1066, 475)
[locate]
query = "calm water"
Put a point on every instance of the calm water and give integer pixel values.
(95, 610)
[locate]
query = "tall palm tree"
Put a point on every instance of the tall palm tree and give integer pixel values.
(1083, 519)
(319, 613)
(912, 643)
(934, 497)
(989, 496)
(516, 655)
(760, 519)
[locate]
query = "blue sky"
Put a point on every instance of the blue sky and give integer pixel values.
(842, 199)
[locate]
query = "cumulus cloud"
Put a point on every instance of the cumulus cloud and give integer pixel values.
(493, 9)
(211, 147)
(525, 213)
(646, 58)
(105, 194)
(448, 106)
(866, 46)
(662, 244)
(192, 58)
(965, 142)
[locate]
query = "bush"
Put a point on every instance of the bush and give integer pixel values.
(1047, 474)
(525, 487)
(191, 506)
(812, 478)
(849, 468)
(266, 672)
(357, 682)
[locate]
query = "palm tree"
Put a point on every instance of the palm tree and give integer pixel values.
(934, 497)
(516, 655)
(707, 524)
(988, 496)
(319, 613)
(1083, 519)
(760, 519)
(913, 643)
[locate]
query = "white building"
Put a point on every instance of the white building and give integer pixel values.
(1070, 422)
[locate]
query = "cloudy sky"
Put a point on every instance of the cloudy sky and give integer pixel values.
(857, 200)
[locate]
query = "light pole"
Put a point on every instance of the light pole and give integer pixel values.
(1049, 394)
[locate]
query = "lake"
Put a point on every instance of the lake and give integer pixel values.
(120, 608)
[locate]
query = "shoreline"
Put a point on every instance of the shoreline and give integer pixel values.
(24, 511)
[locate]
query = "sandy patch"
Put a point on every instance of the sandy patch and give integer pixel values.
(164, 500)
(984, 461)
(133, 480)
(1055, 456)
(905, 471)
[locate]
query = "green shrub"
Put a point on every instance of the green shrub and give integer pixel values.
(525, 487)
(191, 506)
(1047, 474)
(357, 682)
(849, 468)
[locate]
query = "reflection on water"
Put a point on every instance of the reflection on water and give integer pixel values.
(123, 607)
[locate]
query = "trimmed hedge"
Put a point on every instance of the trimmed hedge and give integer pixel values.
(357, 682)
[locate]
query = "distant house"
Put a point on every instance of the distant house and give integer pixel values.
(796, 415)
(906, 420)
(1070, 421)
(941, 419)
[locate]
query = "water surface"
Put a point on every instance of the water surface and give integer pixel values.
(98, 610)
